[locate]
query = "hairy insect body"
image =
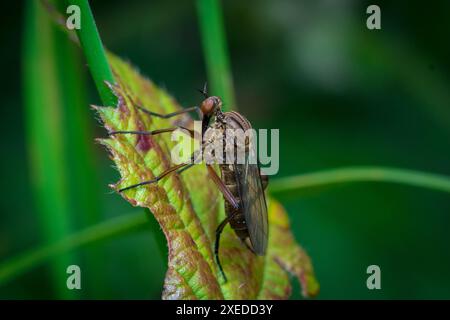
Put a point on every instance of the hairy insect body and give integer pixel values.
(236, 216)
(225, 142)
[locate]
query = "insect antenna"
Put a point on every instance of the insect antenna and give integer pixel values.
(204, 91)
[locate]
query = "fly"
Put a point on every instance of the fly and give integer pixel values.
(241, 184)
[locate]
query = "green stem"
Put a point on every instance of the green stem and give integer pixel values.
(215, 51)
(45, 135)
(94, 52)
(102, 231)
(298, 183)
(125, 224)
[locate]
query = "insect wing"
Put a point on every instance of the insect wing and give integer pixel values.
(254, 205)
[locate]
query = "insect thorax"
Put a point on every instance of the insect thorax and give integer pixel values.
(227, 140)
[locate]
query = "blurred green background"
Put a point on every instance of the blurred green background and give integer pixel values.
(340, 94)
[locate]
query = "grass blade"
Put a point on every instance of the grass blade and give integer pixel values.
(94, 52)
(124, 224)
(297, 184)
(45, 135)
(215, 51)
(102, 231)
(84, 186)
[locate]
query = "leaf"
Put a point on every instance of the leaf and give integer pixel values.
(189, 207)
(284, 254)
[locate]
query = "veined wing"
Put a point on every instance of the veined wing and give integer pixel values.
(254, 205)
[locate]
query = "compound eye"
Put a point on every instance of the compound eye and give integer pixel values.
(208, 106)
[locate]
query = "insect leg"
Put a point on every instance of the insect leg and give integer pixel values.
(153, 132)
(172, 114)
(264, 180)
(168, 115)
(216, 245)
(177, 169)
(222, 187)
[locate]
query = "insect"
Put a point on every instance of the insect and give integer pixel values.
(241, 184)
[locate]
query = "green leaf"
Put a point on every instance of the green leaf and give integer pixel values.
(189, 207)
(284, 254)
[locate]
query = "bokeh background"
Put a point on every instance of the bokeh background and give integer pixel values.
(340, 94)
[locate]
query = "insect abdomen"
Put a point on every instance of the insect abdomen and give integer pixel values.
(238, 221)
